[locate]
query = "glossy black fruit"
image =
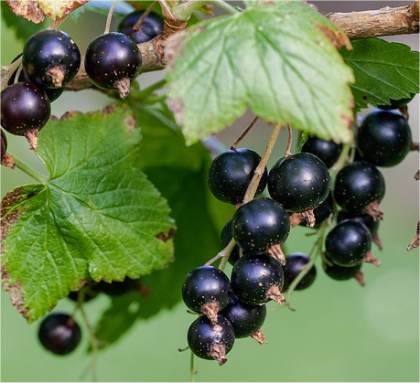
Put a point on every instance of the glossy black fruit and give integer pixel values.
(206, 290)
(59, 333)
(384, 138)
(24, 108)
(295, 263)
(117, 288)
(348, 243)
(327, 151)
(300, 182)
(231, 172)
(209, 340)
(226, 236)
(365, 219)
(260, 224)
(357, 185)
(257, 279)
(112, 60)
(340, 273)
(51, 58)
(396, 104)
(151, 26)
(246, 319)
(322, 212)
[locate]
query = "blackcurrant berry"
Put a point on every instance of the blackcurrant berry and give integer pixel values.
(327, 151)
(226, 236)
(260, 224)
(210, 340)
(51, 93)
(24, 110)
(151, 26)
(51, 58)
(384, 138)
(246, 319)
(300, 182)
(348, 243)
(59, 333)
(231, 172)
(257, 279)
(321, 213)
(117, 288)
(340, 273)
(360, 187)
(206, 290)
(396, 104)
(294, 264)
(112, 60)
(90, 292)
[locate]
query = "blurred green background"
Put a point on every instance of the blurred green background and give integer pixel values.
(339, 331)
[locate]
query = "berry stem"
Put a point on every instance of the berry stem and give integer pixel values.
(225, 254)
(109, 17)
(288, 150)
(8, 72)
(150, 89)
(28, 171)
(192, 369)
(342, 160)
(244, 133)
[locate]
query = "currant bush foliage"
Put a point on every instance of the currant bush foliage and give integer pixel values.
(383, 70)
(270, 58)
(96, 217)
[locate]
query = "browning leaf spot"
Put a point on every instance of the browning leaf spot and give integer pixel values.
(338, 38)
(15, 292)
(166, 236)
(130, 123)
(177, 107)
(28, 9)
(70, 114)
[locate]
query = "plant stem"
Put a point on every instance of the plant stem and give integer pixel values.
(226, 6)
(192, 370)
(109, 17)
(225, 254)
(341, 160)
(151, 89)
(28, 171)
(288, 150)
(244, 133)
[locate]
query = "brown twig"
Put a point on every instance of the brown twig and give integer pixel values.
(244, 133)
(288, 150)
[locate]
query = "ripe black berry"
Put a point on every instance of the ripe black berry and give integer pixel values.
(360, 187)
(340, 273)
(300, 182)
(59, 333)
(245, 319)
(51, 58)
(321, 213)
(209, 340)
(348, 243)
(396, 104)
(112, 60)
(294, 264)
(231, 172)
(327, 151)
(90, 292)
(117, 288)
(226, 236)
(151, 26)
(260, 224)
(24, 110)
(206, 290)
(384, 138)
(257, 279)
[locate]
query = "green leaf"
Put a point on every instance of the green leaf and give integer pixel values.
(22, 28)
(97, 217)
(277, 59)
(180, 173)
(383, 70)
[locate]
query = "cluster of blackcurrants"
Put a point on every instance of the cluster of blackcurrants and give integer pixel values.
(51, 59)
(299, 187)
(60, 333)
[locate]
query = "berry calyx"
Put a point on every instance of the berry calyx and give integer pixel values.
(360, 187)
(231, 172)
(151, 26)
(6, 160)
(257, 279)
(327, 151)
(384, 138)
(320, 214)
(246, 319)
(260, 225)
(59, 333)
(51, 58)
(111, 61)
(24, 110)
(211, 340)
(340, 273)
(295, 263)
(348, 243)
(226, 236)
(299, 182)
(206, 291)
